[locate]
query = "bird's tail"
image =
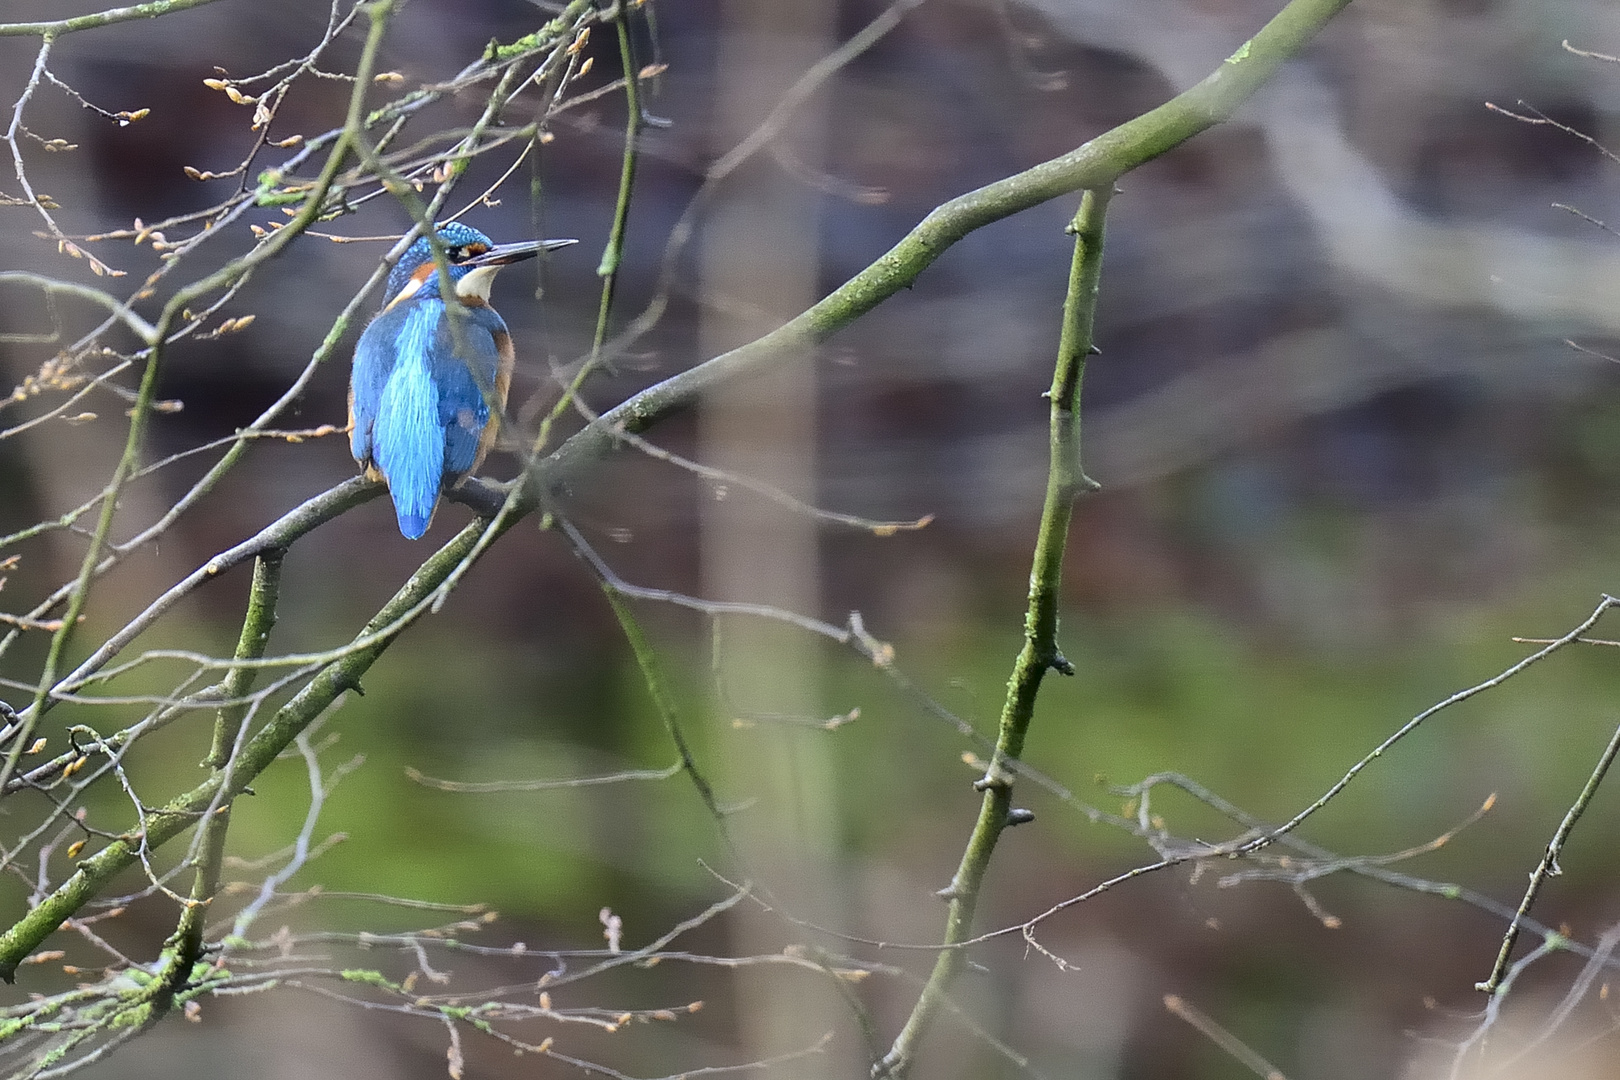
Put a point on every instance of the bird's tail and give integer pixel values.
(408, 445)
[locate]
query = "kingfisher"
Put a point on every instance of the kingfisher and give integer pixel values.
(427, 377)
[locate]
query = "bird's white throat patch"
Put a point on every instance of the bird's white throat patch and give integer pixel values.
(474, 284)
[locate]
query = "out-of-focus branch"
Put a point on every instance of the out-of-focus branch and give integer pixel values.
(608, 271)
(119, 309)
(653, 678)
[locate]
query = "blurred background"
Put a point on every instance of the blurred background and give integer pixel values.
(1356, 427)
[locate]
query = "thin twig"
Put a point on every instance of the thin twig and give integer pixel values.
(1411, 725)
(1548, 866)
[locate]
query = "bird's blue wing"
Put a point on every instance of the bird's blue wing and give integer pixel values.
(407, 439)
(463, 408)
(374, 359)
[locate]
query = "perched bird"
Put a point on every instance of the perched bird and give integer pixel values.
(426, 377)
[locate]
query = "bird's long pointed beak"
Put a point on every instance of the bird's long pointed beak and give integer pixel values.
(504, 254)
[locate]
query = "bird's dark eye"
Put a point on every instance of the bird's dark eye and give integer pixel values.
(456, 254)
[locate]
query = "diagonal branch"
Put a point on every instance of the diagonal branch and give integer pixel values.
(179, 814)
(1548, 867)
(1092, 166)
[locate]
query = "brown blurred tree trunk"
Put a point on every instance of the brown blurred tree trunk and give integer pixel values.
(760, 267)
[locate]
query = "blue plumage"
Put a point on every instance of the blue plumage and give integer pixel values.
(429, 370)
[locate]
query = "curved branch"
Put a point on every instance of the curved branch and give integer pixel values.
(119, 309)
(1094, 165)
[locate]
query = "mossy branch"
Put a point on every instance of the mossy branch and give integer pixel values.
(259, 752)
(56, 27)
(658, 690)
(1093, 166)
(1040, 654)
(250, 645)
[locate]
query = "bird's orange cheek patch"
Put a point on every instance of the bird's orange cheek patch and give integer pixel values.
(419, 277)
